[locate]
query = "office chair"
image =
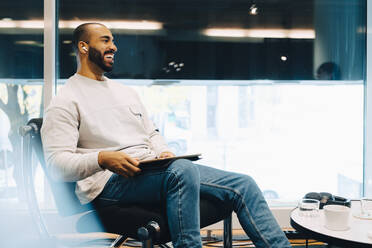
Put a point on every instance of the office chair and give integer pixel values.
(147, 224)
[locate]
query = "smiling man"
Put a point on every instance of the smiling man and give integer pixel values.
(96, 130)
(96, 51)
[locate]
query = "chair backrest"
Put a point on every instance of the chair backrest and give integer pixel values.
(63, 192)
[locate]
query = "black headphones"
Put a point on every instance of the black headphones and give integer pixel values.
(327, 199)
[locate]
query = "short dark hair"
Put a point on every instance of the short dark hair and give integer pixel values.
(332, 69)
(81, 33)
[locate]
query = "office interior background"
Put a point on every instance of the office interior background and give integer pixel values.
(276, 89)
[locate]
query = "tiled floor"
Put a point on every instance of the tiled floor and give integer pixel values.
(95, 240)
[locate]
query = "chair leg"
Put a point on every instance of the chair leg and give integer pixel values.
(147, 233)
(227, 232)
(147, 243)
(118, 241)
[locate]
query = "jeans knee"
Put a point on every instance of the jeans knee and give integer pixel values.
(185, 170)
(248, 184)
(249, 180)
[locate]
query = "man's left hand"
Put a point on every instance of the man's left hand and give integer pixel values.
(166, 155)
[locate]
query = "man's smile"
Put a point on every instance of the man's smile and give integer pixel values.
(109, 57)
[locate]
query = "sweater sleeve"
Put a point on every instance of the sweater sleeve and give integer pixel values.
(60, 134)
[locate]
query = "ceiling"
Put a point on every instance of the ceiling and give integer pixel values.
(181, 34)
(174, 13)
(183, 14)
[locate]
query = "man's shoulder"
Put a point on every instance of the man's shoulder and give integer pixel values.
(122, 87)
(116, 83)
(65, 96)
(70, 89)
(61, 102)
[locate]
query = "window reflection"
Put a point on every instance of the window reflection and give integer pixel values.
(274, 43)
(21, 73)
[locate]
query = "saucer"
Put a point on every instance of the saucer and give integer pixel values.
(364, 217)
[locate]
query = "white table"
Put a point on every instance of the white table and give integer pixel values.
(355, 236)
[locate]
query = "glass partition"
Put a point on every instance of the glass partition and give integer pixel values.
(273, 89)
(291, 138)
(21, 80)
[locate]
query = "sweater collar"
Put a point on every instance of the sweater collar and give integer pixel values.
(92, 80)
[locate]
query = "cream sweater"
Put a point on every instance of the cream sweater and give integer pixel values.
(88, 116)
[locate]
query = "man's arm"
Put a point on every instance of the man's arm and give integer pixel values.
(166, 155)
(119, 163)
(60, 135)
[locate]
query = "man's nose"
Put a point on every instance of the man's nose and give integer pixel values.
(113, 47)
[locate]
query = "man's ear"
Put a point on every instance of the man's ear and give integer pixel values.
(83, 47)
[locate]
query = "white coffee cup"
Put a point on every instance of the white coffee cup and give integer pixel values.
(336, 217)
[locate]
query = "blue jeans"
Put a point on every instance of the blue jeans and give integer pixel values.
(180, 187)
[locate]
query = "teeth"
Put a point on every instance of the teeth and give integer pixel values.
(109, 56)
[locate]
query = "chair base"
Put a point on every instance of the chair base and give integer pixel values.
(119, 241)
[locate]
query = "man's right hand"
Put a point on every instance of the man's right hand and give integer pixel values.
(119, 163)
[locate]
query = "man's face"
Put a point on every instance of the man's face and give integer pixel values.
(102, 48)
(106, 64)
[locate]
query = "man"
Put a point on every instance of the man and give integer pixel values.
(328, 71)
(96, 130)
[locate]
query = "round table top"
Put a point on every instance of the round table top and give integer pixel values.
(356, 235)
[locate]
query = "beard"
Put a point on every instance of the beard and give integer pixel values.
(96, 57)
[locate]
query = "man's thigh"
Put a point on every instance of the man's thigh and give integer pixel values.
(147, 187)
(209, 175)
